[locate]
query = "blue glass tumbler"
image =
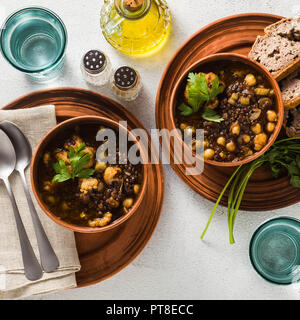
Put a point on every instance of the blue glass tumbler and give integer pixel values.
(34, 40)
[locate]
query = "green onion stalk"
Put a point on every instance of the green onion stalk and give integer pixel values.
(283, 154)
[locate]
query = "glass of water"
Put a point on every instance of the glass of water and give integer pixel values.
(34, 40)
(275, 250)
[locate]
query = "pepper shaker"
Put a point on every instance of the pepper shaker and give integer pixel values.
(126, 83)
(96, 68)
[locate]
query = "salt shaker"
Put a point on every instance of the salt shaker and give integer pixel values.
(126, 83)
(96, 68)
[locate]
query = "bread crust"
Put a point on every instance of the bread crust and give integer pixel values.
(292, 67)
(292, 103)
(289, 69)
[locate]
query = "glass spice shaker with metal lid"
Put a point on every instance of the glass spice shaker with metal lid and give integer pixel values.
(126, 83)
(96, 68)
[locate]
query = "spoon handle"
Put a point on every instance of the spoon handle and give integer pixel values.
(49, 260)
(32, 268)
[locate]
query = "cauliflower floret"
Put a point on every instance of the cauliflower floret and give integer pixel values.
(87, 185)
(75, 142)
(92, 153)
(110, 174)
(62, 155)
(101, 222)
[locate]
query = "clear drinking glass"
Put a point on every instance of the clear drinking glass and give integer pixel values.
(275, 250)
(34, 40)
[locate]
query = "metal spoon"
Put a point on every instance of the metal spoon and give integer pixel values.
(49, 260)
(32, 268)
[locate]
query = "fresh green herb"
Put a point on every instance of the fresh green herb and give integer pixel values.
(62, 172)
(284, 154)
(211, 115)
(78, 161)
(185, 110)
(200, 95)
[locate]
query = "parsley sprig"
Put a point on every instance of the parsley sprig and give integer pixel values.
(78, 161)
(284, 154)
(200, 95)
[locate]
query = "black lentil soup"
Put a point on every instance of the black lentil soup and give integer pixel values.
(106, 194)
(245, 105)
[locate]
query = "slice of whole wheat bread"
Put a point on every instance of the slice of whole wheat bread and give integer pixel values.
(292, 122)
(279, 49)
(290, 89)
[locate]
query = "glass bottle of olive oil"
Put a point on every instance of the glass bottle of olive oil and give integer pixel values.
(136, 27)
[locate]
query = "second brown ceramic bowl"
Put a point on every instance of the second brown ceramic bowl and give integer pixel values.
(42, 147)
(216, 58)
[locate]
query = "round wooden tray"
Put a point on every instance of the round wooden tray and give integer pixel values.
(232, 34)
(102, 255)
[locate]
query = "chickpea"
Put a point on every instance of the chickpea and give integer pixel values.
(100, 166)
(260, 141)
(230, 146)
(236, 129)
(257, 147)
(210, 77)
(196, 144)
(246, 138)
(256, 128)
(128, 202)
(51, 199)
(209, 154)
(136, 188)
(183, 126)
(247, 151)
(250, 80)
(205, 144)
(221, 141)
(47, 158)
(239, 73)
(270, 127)
(271, 116)
(189, 131)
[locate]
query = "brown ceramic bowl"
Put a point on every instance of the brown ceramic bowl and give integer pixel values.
(37, 158)
(215, 58)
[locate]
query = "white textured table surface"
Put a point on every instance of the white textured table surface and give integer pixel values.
(175, 264)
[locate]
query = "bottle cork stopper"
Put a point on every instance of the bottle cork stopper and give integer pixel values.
(133, 5)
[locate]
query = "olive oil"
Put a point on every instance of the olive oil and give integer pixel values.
(139, 31)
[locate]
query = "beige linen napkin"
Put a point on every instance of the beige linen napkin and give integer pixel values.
(34, 123)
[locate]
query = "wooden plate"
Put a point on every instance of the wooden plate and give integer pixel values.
(232, 34)
(102, 255)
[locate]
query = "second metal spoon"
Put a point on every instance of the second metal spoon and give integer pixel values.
(49, 260)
